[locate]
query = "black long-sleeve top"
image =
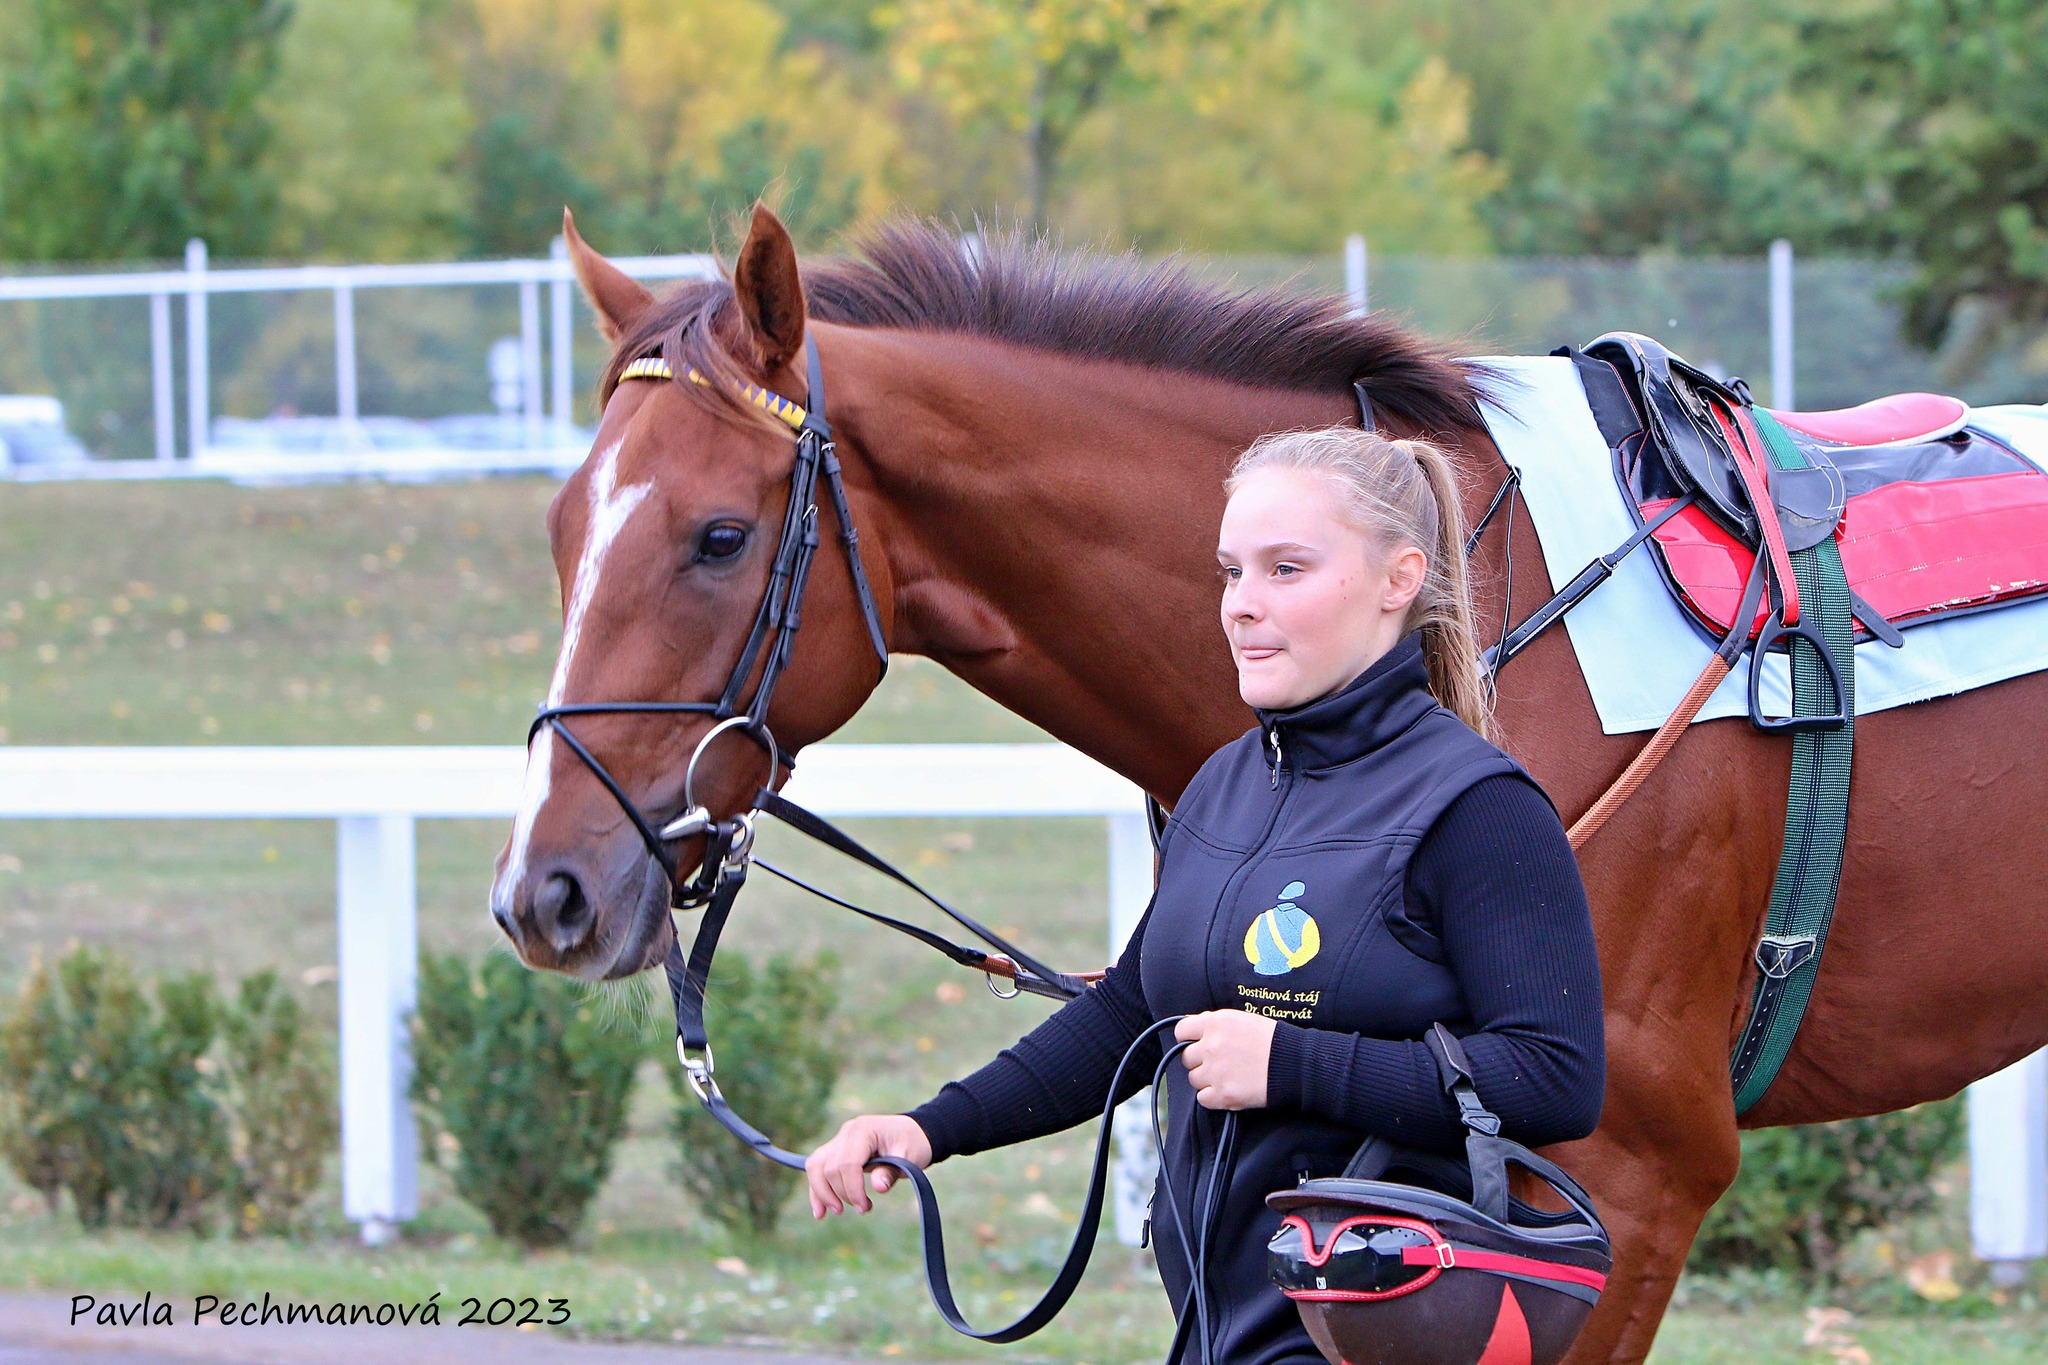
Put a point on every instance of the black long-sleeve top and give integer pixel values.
(1494, 880)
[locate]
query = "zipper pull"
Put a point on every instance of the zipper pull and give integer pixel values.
(1273, 737)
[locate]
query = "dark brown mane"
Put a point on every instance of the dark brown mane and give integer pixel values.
(918, 275)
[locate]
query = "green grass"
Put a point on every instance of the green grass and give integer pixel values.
(353, 614)
(200, 613)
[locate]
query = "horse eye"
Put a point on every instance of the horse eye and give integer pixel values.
(722, 541)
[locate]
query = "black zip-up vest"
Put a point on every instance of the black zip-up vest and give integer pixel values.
(1281, 890)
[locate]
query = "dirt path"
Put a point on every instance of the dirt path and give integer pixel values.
(36, 1330)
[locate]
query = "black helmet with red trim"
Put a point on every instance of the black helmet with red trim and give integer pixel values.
(1445, 1267)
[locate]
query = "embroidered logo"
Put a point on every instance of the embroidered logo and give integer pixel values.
(1284, 937)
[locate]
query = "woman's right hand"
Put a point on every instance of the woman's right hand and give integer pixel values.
(834, 1172)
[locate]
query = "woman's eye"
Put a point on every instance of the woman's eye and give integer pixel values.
(1229, 573)
(721, 542)
(1284, 570)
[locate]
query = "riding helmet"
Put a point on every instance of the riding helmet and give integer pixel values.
(1445, 1267)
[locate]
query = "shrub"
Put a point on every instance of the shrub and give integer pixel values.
(1804, 1192)
(778, 1058)
(277, 1082)
(103, 1095)
(529, 1084)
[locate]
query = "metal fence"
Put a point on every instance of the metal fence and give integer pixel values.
(491, 364)
(346, 368)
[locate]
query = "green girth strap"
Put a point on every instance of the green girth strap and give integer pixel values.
(1816, 810)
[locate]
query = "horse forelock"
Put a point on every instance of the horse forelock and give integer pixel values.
(920, 275)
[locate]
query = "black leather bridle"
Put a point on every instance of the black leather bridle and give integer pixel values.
(775, 627)
(728, 848)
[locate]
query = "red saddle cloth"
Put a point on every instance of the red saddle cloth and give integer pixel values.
(1929, 529)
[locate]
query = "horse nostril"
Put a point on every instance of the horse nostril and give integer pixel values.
(561, 912)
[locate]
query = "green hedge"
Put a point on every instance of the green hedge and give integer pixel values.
(524, 1078)
(155, 1112)
(1804, 1192)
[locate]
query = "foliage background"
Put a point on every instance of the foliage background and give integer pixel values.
(1906, 130)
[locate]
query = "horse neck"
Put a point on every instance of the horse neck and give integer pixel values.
(1049, 525)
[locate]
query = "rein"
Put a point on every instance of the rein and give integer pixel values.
(729, 844)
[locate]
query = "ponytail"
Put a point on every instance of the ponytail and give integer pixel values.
(1449, 643)
(1401, 493)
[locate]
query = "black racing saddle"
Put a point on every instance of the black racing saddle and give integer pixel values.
(1919, 485)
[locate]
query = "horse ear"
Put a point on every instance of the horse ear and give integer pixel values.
(618, 298)
(769, 293)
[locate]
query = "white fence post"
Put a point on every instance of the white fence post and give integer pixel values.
(1781, 325)
(196, 379)
(561, 366)
(1356, 284)
(529, 358)
(378, 911)
(161, 387)
(345, 406)
(2009, 1167)
(1136, 1164)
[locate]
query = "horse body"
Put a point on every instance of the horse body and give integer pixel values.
(1043, 525)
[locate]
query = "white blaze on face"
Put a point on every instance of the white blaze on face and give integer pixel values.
(610, 506)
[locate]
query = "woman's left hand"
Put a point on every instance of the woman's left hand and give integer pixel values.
(1227, 1057)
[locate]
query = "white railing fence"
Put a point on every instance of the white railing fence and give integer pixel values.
(545, 401)
(376, 795)
(537, 429)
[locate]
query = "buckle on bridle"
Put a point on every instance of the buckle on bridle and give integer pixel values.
(742, 841)
(697, 1073)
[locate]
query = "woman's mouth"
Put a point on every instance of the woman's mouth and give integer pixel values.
(1255, 653)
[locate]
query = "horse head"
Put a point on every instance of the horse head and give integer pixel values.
(666, 543)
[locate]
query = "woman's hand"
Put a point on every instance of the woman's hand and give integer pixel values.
(1226, 1058)
(834, 1171)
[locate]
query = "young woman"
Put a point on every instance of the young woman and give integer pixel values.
(1361, 865)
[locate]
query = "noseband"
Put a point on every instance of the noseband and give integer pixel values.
(775, 627)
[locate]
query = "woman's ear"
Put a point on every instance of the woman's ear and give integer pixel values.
(1407, 568)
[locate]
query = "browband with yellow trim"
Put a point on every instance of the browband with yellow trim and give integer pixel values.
(654, 367)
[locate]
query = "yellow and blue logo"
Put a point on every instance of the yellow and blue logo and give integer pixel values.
(1282, 938)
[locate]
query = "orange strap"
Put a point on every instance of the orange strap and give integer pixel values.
(1737, 427)
(1644, 763)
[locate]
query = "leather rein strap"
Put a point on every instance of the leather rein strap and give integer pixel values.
(728, 844)
(687, 979)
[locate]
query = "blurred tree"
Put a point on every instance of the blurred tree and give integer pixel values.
(1303, 135)
(1041, 67)
(715, 109)
(535, 72)
(1532, 66)
(1946, 113)
(369, 131)
(129, 126)
(1690, 136)
(659, 123)
(847, 24)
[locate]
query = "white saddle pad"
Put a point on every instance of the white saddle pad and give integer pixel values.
(1633, 642)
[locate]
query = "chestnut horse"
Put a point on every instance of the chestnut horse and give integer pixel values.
(1035, 450)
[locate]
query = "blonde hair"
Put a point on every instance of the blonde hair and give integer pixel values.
(1399, 493)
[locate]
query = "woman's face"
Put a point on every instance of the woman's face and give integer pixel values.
(1307, 603)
